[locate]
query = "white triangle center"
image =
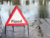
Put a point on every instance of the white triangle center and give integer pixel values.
(16, 18)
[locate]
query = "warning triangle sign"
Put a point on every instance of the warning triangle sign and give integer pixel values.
(16, 18)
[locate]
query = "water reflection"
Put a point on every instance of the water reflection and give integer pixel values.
(43, 12)
(48, 9)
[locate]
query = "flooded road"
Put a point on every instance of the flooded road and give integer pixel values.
(38, 17)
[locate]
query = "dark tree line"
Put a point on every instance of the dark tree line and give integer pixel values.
(17, 2)
(41, 2)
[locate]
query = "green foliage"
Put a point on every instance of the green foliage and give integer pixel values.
(16, 2)
(27, 2)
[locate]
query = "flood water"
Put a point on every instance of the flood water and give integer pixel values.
(31, 12)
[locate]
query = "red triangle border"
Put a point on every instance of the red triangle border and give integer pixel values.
(16, 24)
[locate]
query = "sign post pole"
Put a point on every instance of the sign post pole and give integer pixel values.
(5, 29)
(28, 28)
(13, 28)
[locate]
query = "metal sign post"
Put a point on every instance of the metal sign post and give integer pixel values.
(17, 19)
(13, 29)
